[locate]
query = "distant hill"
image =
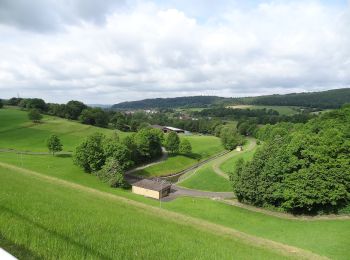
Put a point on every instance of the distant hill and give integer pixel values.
(324, 99)
(194, 101)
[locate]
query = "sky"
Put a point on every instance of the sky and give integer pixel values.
(109, 51)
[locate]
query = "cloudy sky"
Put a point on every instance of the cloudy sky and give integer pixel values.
(108, 51)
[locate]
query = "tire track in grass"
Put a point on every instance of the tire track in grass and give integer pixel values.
(199, 224)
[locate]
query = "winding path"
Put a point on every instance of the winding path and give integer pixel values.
(219, 161)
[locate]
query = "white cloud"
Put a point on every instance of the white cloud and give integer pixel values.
(144, 50)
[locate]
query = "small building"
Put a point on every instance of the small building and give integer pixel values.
(155, 188)
(168, 129)
(239, 148)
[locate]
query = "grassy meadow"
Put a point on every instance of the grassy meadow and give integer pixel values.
(18, 132)
(66, 224)
(202, 148)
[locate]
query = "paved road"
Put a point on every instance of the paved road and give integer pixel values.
(177, 191)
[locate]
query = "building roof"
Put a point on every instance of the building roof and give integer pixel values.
(173, 128)
(149, 184)
(157, 126)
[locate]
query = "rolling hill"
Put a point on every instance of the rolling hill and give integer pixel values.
(323, 100)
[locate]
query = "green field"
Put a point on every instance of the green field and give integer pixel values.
(202, 148)
(229, 165)
(206, 179)
(330, 238)
(17, 132)
(61, 225)
(282, 110)
(42, 218)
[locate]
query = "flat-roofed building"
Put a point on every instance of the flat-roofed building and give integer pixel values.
(156, 189)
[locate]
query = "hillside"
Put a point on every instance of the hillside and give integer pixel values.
(194, 101)
(323, 99)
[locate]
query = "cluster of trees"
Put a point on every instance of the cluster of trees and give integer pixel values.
(109, 157)
(301, 168)
(229, 136)
(1, 104)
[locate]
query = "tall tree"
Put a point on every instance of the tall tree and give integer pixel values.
(172, 142)
(90, 154)
(185, 147)
(54, 144)
(230, 138)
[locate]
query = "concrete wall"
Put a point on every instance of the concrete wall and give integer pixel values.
(145, 192)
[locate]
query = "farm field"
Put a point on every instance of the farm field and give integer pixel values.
(17, 132)
(62, 225)
(282, 110)
(202, 148)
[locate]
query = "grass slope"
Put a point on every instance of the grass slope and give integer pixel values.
(17, 132)
(207, 180)
(229, 165)
(202, 148)
(66, 224)
(329, 238)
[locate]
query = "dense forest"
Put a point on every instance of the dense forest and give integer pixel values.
(323, 100)
(301, 168)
